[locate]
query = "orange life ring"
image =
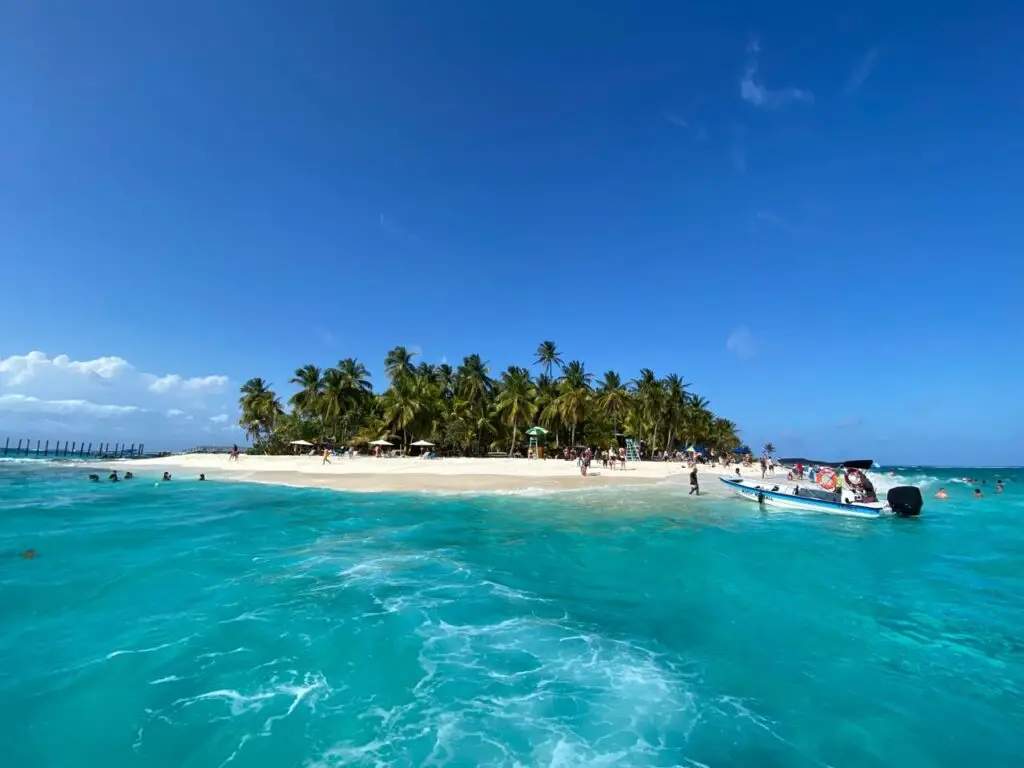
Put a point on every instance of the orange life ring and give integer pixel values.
(827, 479)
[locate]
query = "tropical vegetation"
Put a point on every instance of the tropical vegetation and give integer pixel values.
(470, 410)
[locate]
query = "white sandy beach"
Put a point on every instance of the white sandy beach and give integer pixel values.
(365, 473)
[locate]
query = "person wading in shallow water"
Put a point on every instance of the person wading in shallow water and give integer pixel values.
(694, 485)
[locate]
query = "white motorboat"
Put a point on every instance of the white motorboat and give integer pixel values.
(816, 492)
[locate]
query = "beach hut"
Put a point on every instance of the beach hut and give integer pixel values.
(534, 449)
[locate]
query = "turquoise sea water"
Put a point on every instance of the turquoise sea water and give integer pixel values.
(213, 624)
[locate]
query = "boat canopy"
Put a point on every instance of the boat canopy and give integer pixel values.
(851, 464)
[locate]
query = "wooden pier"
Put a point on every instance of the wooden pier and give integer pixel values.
(70, 449)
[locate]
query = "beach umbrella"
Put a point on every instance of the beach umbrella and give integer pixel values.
(301, 442)
(380, 442)
(536, 431)
(423, 444)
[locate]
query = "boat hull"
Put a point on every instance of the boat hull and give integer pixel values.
(806, 503)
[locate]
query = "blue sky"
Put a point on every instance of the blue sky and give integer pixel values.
(227, 190)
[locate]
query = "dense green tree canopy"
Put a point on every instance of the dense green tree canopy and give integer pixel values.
(468, 411)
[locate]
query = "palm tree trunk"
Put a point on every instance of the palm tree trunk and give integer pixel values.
(573, 436)
(515, 428)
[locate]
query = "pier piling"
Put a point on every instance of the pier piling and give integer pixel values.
(72, 448)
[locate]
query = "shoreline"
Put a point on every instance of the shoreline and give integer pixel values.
(411, 475)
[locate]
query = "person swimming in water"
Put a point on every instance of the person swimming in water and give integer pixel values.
(202, 476)
(167, 476)
(94, 478)
(128, 475)
(942, 494)
(977, 493)
(999, 486)
(113, 477)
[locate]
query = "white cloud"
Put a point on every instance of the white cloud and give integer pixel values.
(753, 91)
(107, 394)
(29, 404)
(741, 343)
(173, 382)
(677, 121)
(772, 219)
(862, 71)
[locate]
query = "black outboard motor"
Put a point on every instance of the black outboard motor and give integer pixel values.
(905, 500)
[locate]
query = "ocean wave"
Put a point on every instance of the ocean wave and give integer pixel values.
(883, 481)
(576, 697)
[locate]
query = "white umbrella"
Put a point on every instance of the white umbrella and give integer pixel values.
(301, 442)
(380, 442)
(423, 444)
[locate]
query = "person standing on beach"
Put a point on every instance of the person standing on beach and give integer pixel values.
(327, 459)
(234, 453)
(694, 485)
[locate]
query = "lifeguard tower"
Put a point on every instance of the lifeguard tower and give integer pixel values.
(535, 451)
(632, 454)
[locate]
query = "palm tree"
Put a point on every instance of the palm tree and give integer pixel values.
(697, 419)
(548, 357)
(570, 406)
(769, 449)
(354, 374)
(723, 435)
(650, 401)
(675, 405)
(403, 404)
(260, 408)
(398, 362)
(310, 382)
(516, 399)
(612, 397)
(445, 378)
(474, 386)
